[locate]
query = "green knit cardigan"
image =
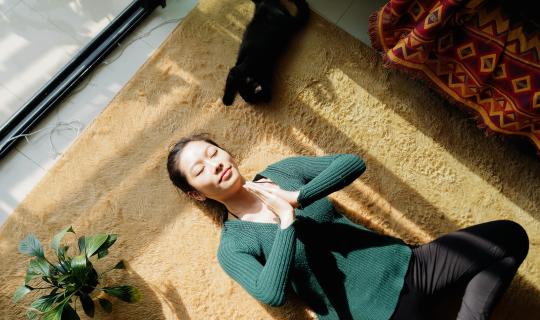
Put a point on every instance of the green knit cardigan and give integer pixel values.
(341, 269)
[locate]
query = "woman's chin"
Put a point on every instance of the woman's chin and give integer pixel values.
(234, 183)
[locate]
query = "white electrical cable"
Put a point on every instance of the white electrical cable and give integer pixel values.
(59, 124)
(69, 125)
(107, 62)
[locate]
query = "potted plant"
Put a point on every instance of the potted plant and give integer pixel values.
(69, 278)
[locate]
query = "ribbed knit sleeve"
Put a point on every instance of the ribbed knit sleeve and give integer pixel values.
(325, 174)
(265, 283)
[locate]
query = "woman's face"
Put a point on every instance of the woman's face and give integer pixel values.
(210, 170)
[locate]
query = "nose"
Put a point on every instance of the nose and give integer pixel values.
(218, 166)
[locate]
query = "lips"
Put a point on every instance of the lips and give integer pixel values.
(223, 173)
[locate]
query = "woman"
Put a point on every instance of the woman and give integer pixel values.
(282, 229)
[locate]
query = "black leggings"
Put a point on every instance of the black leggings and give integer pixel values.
(482, 259)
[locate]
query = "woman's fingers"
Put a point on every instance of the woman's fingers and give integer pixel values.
(260, 192)
(260, 189)
(257, 185)
(266, 197)
(268, 185)
(256, 192)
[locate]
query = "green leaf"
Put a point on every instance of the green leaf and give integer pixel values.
(92, 278)
(20, 292)
(124, 293)
(102, 253)
(81, 243)
(105, 305)
(120, 265)
(44, 303)
(60, 267)
(93, 243)
(31, 246)
(66, 265)
(39, 266)
(56, 312)
(46, 279)
(103, 250)
(55, 243)
(79, 267)
(69, 313)
(54, 279)
(62, 279)
(88, 305)
(32, 314)
(62, 251)
(30, 274)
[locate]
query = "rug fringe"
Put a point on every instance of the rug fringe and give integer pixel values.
(373, 30)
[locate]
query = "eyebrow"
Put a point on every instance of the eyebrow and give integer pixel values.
(196, 162)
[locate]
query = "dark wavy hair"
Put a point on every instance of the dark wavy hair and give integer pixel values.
(217, 211)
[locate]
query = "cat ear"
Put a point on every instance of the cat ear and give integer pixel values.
(231, 87)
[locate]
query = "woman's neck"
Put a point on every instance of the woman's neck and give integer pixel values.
(242, 202)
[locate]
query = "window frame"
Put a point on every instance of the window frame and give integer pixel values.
(80, 66)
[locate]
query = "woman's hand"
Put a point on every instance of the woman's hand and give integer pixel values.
(279, 206)
(290, 196)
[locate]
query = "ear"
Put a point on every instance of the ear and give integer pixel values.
(231, 87)
(195, 195)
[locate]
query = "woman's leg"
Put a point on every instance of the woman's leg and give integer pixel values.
(483, 257)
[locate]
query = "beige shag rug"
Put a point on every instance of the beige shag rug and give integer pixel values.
(429, 169)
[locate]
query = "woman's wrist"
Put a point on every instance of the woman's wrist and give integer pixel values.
(294, 199)
(284, 224)
(287, 219)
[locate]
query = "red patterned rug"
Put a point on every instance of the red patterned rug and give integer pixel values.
(470, 51)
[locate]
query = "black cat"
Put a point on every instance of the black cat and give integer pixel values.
(265, 38)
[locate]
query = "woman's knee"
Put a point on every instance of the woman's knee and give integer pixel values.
(519, 238)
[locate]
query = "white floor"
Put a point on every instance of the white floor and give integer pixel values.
(38, 37)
